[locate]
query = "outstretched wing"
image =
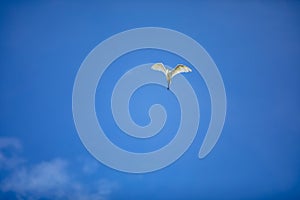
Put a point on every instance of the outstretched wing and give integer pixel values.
(180, 69)
(159, 67)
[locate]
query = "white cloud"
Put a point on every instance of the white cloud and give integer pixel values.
(52, 179)
(43, 179)
(9, 153)
(89, 165)
(10, 142)
(105, 187)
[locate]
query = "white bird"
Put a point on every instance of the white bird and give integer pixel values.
(170, 73)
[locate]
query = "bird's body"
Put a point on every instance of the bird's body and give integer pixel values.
(170, 73)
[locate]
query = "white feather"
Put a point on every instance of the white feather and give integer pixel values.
(159, 67)
(180, 69)
(170, 73)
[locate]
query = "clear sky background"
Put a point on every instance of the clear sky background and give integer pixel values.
(255, 45)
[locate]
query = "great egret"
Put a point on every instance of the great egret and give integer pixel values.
(170, 73)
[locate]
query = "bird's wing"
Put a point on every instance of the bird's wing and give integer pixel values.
(179, 69)
(159, 67)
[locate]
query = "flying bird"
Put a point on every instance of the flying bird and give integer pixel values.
(170, 73)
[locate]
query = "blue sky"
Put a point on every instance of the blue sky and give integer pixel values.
(255, 45)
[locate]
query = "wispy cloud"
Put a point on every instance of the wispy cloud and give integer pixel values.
(89, 166)
(52, 179)
(10, 142)
(43, 179)
(9, 153)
